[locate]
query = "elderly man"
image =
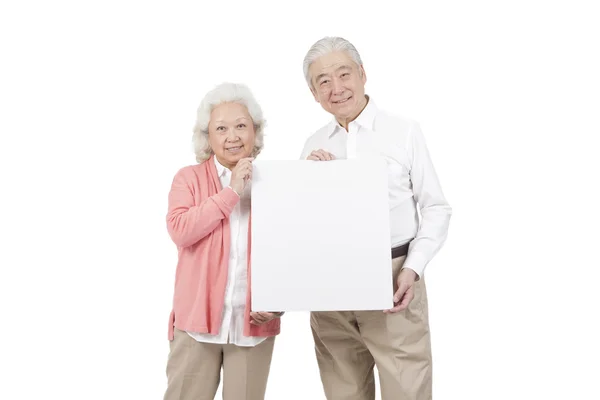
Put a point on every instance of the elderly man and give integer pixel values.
(349, 344)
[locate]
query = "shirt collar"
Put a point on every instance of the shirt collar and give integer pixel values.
(221, 170)
(365, 119)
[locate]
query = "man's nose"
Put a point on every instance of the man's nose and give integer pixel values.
(338, 87)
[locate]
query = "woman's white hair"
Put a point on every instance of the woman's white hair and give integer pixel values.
(226, 93)
(322, 47)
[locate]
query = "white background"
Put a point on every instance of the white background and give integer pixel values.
(97, 104)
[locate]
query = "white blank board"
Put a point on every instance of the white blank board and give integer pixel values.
(320, 236)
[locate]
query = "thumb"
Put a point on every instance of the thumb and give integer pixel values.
(400, 292)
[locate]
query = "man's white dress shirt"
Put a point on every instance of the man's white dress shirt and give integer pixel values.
(413, 181)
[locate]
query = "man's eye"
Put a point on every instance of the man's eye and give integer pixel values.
(324, 82)
(241, 126)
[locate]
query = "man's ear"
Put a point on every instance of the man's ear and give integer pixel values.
(364, 74)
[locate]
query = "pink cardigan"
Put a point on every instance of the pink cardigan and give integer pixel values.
(198, 223)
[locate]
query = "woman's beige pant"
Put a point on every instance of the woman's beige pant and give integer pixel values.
(194, 369)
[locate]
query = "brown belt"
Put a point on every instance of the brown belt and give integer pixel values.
(400, 251)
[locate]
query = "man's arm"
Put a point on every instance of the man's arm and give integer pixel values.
(435, 210)
(435, 218)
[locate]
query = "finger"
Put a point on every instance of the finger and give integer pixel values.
(244, 170)
(408, 296)
(393, 310)
(402, 288)
(325, 155)
(397, 297)
(267, 315)
(314, 155)
(245, 162)
(317, 155)
(264, 317)
(322, 155)
(260, 321)
(257, 318)
(403, 303)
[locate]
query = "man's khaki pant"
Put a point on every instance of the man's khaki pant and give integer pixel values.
(349, 344)
(194, 369)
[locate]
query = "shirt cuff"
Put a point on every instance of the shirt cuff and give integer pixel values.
(416, 262)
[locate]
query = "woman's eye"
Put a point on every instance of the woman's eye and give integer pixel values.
(220, 128)
(240, 126)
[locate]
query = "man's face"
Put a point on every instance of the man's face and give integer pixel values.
(338, 84)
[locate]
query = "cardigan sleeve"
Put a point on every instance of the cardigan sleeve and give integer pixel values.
(188, 223)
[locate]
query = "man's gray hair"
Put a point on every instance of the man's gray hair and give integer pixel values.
(329, 44)
(226, 93)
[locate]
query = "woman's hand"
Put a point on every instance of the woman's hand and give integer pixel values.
(240, 175)
(259, 318)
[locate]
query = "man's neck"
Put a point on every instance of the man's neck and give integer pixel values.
(346, 121)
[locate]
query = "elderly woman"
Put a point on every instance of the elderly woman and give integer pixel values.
(211, 326)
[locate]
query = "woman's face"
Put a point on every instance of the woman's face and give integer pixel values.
(231, 133)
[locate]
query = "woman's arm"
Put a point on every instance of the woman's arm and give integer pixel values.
(187, 223)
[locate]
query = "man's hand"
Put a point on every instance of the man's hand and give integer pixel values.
(259, 318)
(320, 155)
(405, 292)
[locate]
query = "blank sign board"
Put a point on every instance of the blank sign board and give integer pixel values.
(320, 236)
